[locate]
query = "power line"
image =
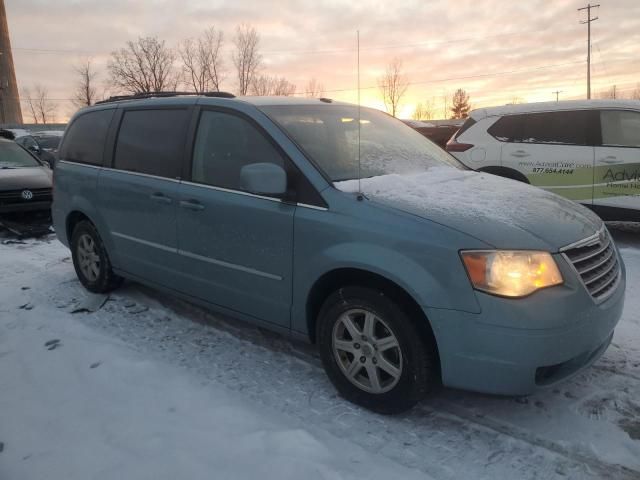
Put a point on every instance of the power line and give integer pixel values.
(310, 52)
(466, 77)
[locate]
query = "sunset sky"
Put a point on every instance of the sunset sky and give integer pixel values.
(496, 50)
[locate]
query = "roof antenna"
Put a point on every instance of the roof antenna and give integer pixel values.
(360, 196)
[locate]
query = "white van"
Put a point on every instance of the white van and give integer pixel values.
(587, 150)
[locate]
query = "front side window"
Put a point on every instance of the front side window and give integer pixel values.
(152, 141)
(559, 128)
(328, 134)
(566, 128)
(84, 141)
(620, 128)
(13, 155)
(225, 143)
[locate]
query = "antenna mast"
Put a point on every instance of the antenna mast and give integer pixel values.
(359, 123)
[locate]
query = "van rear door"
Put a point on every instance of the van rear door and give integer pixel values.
(617, 172)
(138, 194)
(553, 150)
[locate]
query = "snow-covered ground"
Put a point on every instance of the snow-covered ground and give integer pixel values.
(136, 385)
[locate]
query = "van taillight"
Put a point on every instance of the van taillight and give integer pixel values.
(454, 146)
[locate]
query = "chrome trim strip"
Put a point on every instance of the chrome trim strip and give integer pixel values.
(313, 207)
(228, 190)
(80, 164)
(145, 242)
(595, 238)
(582, 258)
(199, 257)
(229, 265)
(194, 184)
(140, 174)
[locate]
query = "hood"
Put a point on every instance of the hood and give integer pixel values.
(19, 178)
(501, 212)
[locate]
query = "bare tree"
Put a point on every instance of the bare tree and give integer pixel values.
(424, 111)
(445, 104)
(314, 89)
(85, 94)
(202, 62)
(393, 85)
(635, 95)
(143, 66)
(246, 57)
(41, 107)
(516, 100)
(268, 85)
(460, 104)
(612, 93)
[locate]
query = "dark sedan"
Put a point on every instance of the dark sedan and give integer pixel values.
(25, 182)
(42, 145)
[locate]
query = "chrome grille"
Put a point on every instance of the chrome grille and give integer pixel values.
(15, 196)
(596, 262)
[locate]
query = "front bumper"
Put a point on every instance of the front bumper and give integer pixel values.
(515, 346)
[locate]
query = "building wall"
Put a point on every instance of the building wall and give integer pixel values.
(9, 98)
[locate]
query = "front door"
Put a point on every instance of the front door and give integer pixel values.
(553, 150)
(617, 172)
(236, 248)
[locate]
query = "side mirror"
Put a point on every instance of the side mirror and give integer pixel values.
(264, 179)
(34, 149)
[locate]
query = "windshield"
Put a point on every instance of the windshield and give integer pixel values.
(13, 155)
(49, 142)
(329, 136)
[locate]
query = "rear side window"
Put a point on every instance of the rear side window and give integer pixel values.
(224, 144)
(152, 141)
(620, 128)
(468, 123)
(563, 128)
(507, 129)
(84, 140)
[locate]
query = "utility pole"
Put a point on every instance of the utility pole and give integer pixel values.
(588, 22)
(557, 92)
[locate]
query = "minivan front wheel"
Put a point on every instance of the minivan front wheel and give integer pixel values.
(91, 261)
(372, 352)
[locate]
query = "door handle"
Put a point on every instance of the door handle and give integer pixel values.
(191, 204)
(520, 154)
(609, 159)
(160, 198)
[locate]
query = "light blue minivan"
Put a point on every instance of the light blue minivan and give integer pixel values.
(344, 228)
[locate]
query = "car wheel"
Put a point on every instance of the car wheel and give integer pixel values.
(373, 353)
(91, 261)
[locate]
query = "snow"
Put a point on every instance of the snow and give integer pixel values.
(475, 196)
(143, 386)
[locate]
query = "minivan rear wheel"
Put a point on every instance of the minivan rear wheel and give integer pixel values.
(373, 353)
(91, 261)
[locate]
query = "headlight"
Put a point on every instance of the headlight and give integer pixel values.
(511, 273)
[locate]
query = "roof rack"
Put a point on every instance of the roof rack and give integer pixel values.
(139, 96)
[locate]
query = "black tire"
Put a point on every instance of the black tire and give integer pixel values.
(419, 371)
(106, 280)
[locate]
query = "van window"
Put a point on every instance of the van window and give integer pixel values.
(152, 141)
(507, 129)
(567, 128)
(563, 128)
(224, 144)
(620, 128)
(84, 140)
